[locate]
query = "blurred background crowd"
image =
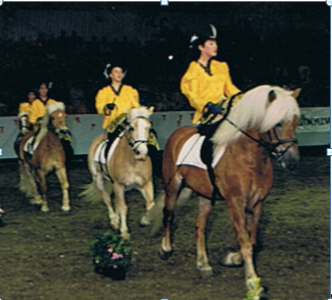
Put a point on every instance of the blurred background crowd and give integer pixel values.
(286, 44)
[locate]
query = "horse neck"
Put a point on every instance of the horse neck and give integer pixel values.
(124, 149)
(43, 128)
(251, 146)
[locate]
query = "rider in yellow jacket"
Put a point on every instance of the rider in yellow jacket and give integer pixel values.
(114, 100)
(207, 82)
(25, 106)
(38, 107)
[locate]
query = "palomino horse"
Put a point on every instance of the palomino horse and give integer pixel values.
(47, 155)
(261, 124)
(129, 167)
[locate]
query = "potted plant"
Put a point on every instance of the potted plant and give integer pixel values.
(111, 255)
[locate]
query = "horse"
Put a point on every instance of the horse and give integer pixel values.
(262, 124)
(129, 167)
(48, 155)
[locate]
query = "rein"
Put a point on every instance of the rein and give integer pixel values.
(269, 146)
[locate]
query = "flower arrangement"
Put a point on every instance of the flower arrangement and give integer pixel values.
(111, 255)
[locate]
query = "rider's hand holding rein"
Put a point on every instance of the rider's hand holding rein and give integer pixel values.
(213, 108)
(108, 108)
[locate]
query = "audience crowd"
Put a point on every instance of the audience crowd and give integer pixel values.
(75, 66)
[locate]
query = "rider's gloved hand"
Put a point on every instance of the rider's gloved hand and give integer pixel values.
(213, 108)
(110, 106)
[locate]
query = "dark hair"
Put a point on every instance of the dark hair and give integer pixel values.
(115, 65)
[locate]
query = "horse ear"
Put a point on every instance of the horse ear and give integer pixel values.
(151, 109)
(272, 96)
(296, 92)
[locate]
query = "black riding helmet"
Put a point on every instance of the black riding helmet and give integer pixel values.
(208, 32)
(109, 67)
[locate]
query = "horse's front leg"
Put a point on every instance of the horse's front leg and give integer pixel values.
(203, 265)
(237, 212)
(121, 208)
(62, 177)
(41, 183)
(114, 219)
(253, 217)
(148, 194)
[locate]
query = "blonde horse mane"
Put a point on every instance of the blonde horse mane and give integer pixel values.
(255, 111)
(141, 111)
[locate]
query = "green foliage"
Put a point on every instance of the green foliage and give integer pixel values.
(110, 251)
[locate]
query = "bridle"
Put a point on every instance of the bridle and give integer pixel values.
(135, 144)
(271, 147)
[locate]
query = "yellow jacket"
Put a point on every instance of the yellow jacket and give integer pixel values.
(24, 107)
(38, 109)
(127, 98)
(200, 87)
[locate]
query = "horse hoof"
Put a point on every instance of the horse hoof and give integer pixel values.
(231, 259)
(115, 224)
(125, 235)
(65, 210)
(206, 272)
(45, 210)
(144, 222)
(164, 255)
(255, 288)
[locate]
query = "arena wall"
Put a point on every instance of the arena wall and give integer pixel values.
(313, 128)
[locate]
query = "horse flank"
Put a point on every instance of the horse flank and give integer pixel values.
(255, 111)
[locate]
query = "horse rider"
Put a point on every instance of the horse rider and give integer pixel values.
(114, 100)
(207, 84)
(38, 107)
(23, 110)
(24, 107)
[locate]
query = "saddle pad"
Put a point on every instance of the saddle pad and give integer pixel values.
(190, 153)
(99, 154)
(30, 146)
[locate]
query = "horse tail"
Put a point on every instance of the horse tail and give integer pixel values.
(92, 194)
(155, 214)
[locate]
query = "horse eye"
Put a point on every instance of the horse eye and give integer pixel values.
(131, 128)
(278, 125)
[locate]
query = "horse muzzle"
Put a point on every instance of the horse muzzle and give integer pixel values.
(140, 149)
(290, 159)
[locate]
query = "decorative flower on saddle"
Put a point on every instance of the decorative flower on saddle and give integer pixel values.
(111, 255)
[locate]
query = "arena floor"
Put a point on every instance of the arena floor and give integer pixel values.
(46, 256)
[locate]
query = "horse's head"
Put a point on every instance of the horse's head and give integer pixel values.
(282, 138)
(268, 115)
(57, 118)
(139, 130)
